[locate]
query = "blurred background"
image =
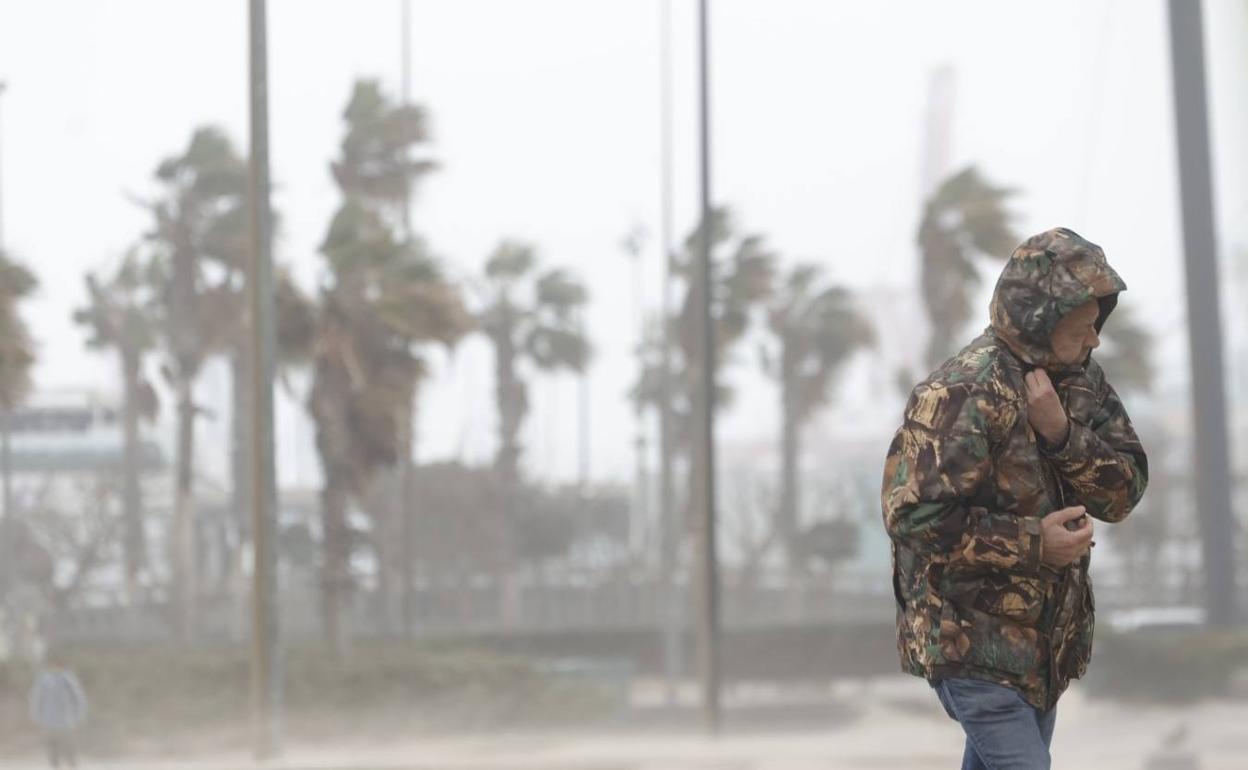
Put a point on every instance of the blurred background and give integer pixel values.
(486, 225)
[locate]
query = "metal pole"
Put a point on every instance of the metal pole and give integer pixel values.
(1212, 468)
(407, 479)
(708, 627)
(583, 415)
(405, 78)
(6, 524)
(266, 692)
(5, 456)
(3, 86)
(672, 599)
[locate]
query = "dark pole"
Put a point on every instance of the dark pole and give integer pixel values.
(584, 417)
(6, 454)
(405, 87)
(6, 458)
(1212, 468)
(408, 431)
(3, 86)
(266, 693)
(708, 626)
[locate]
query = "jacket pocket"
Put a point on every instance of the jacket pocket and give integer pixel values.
(971, 637)
(1078, 649)
(1014, 597)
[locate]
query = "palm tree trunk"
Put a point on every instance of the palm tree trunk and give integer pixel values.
(184, 322)
(327, 405)
(336, 544)
(386, 513)
(789, 481)
(510, 394)
(511, 408)
(388, 508)
(132, 492)
(233, 572)
(240, 492)
(669, 533)
(184, 524)
(407, 511)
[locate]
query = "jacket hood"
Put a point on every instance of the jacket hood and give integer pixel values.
(1047, 276)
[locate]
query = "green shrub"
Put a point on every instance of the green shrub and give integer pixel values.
(1171, 667)
(177, 701)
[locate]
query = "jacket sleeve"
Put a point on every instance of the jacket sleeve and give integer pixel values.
(1102, 460)
(938, 462)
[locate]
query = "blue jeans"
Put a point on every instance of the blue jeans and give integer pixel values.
(1003, 731)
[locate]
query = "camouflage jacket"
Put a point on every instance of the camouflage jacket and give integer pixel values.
(967, 481)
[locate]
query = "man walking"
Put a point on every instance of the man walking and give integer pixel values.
(1004, 452)
(59, 707)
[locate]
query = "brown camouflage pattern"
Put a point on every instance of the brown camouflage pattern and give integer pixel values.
(966, 483)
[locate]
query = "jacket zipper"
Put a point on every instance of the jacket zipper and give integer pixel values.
(1054, 481)
(1054, 650)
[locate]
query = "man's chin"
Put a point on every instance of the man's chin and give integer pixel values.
(1062, 364)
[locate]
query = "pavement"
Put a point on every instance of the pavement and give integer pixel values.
(889, 722)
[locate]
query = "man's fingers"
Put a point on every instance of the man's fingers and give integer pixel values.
(1066, 514)
(1085, 547)
(1084, 532)
(1038, 385)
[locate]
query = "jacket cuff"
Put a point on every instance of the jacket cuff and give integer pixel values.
(1061, 446)
(1032, 538)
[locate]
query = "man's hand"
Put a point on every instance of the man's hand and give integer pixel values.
(1061, 544)
(1044, 408)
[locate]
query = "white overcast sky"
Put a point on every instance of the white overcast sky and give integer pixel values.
(545, 121)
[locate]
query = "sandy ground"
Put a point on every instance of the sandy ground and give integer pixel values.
(883, 723)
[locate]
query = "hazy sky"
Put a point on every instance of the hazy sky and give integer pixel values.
(545, 120)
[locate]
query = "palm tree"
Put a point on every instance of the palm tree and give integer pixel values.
(17, 349)
(119, 317)
(225, 312)
(383, 296)
(742, 273)
(530, 319)
(533, 322)
(965, 217)
(203, 193)
(381, 161)
(17, 356)
(1127, 356)
(816, 331)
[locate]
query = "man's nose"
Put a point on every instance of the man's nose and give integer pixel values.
(1094, 341)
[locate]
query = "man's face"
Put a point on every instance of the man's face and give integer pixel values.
(1075, 335)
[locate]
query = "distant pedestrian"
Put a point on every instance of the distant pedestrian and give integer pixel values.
(58, 706)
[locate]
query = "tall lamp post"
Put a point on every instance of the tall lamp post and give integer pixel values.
(672, 595)
(6, 457)
(266, 693)
(1212, 468)
(704, 481)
